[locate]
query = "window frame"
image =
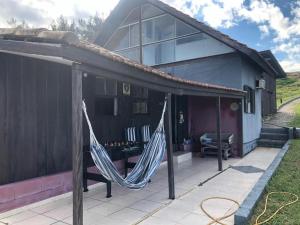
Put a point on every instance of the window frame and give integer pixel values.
(142, 45)
(249, 99)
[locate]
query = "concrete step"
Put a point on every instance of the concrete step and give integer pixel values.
(275, 130)
(274, 136)
(271, 143)
(182, 156)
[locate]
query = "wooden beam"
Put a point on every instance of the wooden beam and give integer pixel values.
(170, 150)
(240, 127)
(145, 80)
(220, 163)
(77, 145)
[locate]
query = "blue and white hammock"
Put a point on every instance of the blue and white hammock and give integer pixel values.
(145, 167)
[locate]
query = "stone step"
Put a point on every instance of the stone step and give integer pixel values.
(275, 130)
(271, 143)
(274, 136)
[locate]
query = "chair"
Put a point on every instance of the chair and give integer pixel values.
(209, 145)
(145, 134)
(130, 134)
(138, 142)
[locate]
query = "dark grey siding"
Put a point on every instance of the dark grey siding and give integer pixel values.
(269, 104)
(34, 118)
(111, 128)
(221, 70)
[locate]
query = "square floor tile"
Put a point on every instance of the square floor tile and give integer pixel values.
(128, 215)
(37, 220)
(145, 206)
(19, 217)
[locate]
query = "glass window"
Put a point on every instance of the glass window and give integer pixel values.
(119, 40)
(148, 31)
(133, 17)
(133, 54)
(160, 53)
(134, 35)
(184, 29)
(149, 11)
(161, 28)
(164, 27)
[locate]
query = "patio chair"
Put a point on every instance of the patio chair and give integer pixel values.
(139, 141)
(209, 145)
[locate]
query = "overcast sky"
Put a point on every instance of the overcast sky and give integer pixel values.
(261, 24)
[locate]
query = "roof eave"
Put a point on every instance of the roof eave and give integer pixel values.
(76, 53)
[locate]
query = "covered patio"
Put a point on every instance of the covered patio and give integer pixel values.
(151, 205)
(81, 60)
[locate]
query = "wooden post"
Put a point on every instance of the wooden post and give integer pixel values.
(170, 150)
(77, 145)
(220, 163)
(240, 127)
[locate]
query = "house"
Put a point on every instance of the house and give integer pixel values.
(45, 75)
(155, 34)
(269, 104)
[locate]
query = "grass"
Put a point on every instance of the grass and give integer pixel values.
(286, 179)
(296, 121)
(287, 89)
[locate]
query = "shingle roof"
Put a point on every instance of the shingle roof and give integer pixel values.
(70, 39)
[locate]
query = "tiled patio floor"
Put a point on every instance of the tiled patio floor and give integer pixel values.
(151, 205)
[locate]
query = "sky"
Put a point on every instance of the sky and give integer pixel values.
(261, 24)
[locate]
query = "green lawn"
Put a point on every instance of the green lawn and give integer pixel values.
(296, 120)
(287, 88)
(286, 179)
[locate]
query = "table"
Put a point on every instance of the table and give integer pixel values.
(115, 153)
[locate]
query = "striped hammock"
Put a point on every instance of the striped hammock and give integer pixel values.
(145, 167)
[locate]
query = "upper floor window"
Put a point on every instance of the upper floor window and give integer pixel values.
(133, 17)
(184, 29)
(158, 29)
(249, 101)
(120, 40)
(164, 38)
(150, 11)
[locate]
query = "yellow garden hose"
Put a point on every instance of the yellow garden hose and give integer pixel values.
(219, 219)
(296, 198)
(257, 222)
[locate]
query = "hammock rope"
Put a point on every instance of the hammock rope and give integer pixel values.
(146, 165)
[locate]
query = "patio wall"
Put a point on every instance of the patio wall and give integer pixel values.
(202, 114)
(25, 192)
(22, 193)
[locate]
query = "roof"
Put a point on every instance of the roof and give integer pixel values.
(65, 46)
(124, 7)
(271, 59)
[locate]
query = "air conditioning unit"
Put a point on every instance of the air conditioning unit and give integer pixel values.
(261, 84)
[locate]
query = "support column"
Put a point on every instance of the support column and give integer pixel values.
(220, 163)
(77, 145)
(170, 150)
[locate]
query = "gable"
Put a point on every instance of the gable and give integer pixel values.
(124, 7)
(153, 37)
